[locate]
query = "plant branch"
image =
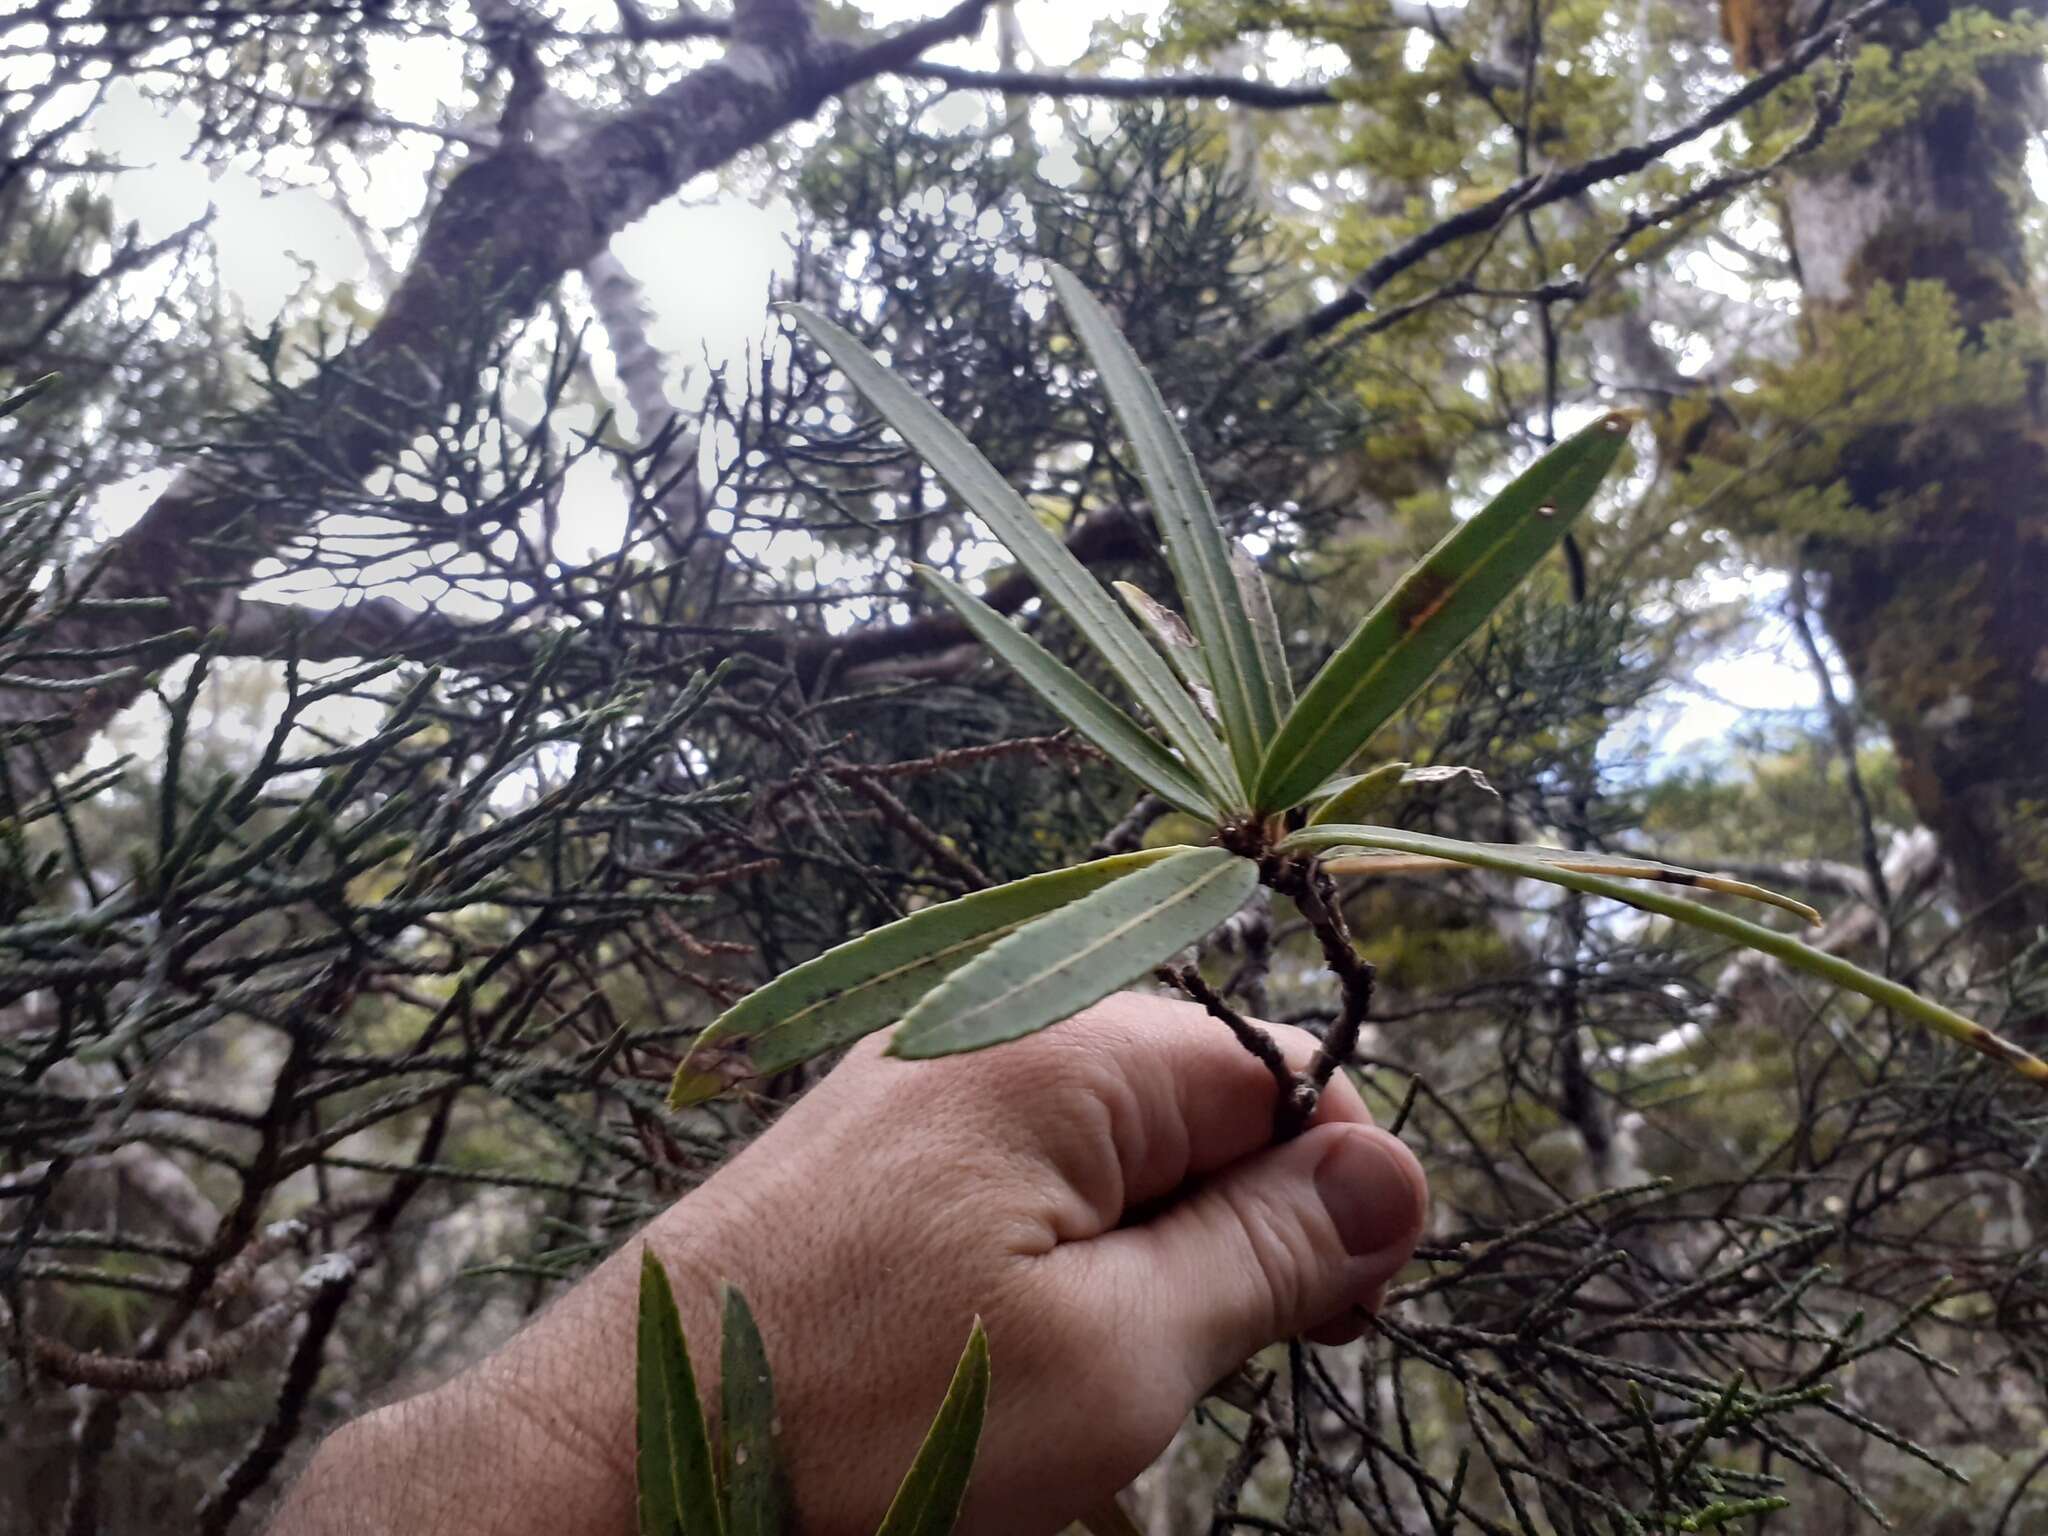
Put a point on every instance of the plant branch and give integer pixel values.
(1297, 1096)
(1541, 188)
(1260, 94)
(1316, 896)
(507, 228)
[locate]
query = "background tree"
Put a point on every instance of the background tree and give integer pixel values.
(487, 692)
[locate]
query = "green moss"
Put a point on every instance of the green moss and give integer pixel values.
(1897, 86)
(1890, 406)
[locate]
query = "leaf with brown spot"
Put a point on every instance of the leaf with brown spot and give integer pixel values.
(1419, 850)
(1422, 597)
(1834, 970)
(1436, 607)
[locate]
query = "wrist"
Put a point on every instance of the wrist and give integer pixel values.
(537, 1439)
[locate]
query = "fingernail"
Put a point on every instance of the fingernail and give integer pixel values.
(1367, 1193)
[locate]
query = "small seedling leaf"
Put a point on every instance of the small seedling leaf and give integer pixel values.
(750, 1464)
(678, 1493)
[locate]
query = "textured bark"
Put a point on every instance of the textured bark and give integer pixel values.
(1940, 610)
(508, 227)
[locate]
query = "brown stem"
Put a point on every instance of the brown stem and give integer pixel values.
(1316, 896)
(1297, 1100)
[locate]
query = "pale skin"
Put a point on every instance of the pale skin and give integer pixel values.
(1103, 1195)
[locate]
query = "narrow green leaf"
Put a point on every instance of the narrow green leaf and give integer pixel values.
(678, 1494)
(1829, 968)
(1615, 866)
(1077, 702)
(1446, 775)
(28, 392)
(1433, 610)
(750, 1467)
(1051, 969)
(1176, 643)
(1246, 696)
(866, 983)
(928, 1500)
(1258, 606)
(1350, 799)
(1063, 580)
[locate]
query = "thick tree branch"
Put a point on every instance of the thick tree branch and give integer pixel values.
(382, 627)
(510, 225)
(893, 54)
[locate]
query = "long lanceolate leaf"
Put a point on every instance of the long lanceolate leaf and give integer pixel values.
(1175, 640)
(1435, 609)
(870, 982)
(1418, 847)
(750, 1468)
(1062, 578)
(678, 1493)
(21, 397)
(1247, 697)
(1258, 607)
(927, 1502)
(1051, 969)
(1077, 702)
(1801, 957)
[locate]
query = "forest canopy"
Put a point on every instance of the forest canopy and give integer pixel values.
(458, 637)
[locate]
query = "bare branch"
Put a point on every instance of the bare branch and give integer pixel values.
(1248, 93)
(510, 225)
(1541, 189)
(119, 1373)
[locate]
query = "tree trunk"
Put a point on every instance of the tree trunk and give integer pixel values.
(1941, 608)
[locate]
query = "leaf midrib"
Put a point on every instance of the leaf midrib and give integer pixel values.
(1080, 956)
(1390, 652)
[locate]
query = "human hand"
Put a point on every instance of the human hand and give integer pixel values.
(1102, 1195)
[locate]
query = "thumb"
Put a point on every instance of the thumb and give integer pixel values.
(1281, 1243)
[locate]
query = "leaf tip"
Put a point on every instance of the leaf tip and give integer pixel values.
(712, 1065)
(653, 1277)
(912, 1045)
(688, 1088)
